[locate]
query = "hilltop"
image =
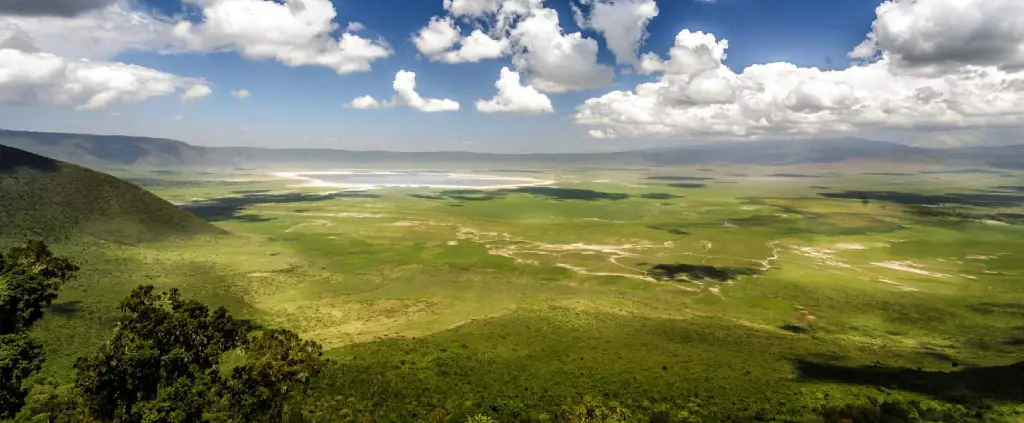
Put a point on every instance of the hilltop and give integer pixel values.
(53, 200)
(115, 152)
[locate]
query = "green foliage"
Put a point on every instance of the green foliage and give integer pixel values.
(55, 201)
(20, 357)
(161, 363)
(30, 276)
(279, 367)
(50, 404)
(164, 364)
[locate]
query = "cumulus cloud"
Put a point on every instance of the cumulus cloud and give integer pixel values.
(98, 34)
(622, 23)
(558, 62)
(697, 96)
(406, 95)
(64, 8)
(241, 94)
(35, 78)
(513, 97)
(947, 33)
(295, 33)
(438, 41)
(364, 102)
(196, 92)
(437, 37)
(477, 8)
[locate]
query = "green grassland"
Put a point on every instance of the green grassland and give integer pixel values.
(761, 293)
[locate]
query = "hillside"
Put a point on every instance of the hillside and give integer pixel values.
(49, 199)
(116, 152)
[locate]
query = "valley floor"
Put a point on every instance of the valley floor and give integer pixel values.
(707, 293)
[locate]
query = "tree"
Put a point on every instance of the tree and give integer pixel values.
(30, 277)
(163, 364)
(279, 367)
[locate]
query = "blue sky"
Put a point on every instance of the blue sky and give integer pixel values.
(305, 106)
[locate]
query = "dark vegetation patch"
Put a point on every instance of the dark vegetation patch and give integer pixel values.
(672, 228)
(686, 185)
(1018, 188)
(704, 169)
(907, 198)
(819, 187)
(1010, 309)
(513, 170)
(659, 196)
(951, 212)
(963, 172)
(698, 271)
(251, 191)
(1000, 383)
(569, 193)
(793, 175)
(167, 183)
(738, 175)
(678, 178)
(559, 194)
(233, 208)
(795, 328)
(164, 172)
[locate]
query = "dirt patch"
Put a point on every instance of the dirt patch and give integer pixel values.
(907, 266)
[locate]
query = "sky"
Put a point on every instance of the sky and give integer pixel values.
(515, 76)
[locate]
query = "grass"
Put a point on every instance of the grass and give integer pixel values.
(754, 299)
(48, 199)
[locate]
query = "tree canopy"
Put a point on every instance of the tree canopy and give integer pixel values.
(30, 277)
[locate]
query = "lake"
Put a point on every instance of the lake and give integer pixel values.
(410, 179)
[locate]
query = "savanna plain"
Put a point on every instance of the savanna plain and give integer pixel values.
(674, 293)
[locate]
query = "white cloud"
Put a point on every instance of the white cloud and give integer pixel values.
(623, 23)
(295, 33)
(196, 92)
(697, 96)
(558, 62)
(355, 27)
(98, 34)
(406, 95)
(45, 79)
(405, 87)
(178, 117)
(947, 33)
(438, 39)
(364, 102)
(514, 97)
(475, 47)
(476, 8)
(600, 134)
(438, 36)
(241, 94)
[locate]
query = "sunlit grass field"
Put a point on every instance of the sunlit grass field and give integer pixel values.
(702, 292)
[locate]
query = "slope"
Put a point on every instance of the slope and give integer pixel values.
(52, 200)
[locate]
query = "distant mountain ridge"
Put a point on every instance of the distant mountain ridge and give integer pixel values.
(105, 151)
(47, 199)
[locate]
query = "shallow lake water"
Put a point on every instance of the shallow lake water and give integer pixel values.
(414, 179)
